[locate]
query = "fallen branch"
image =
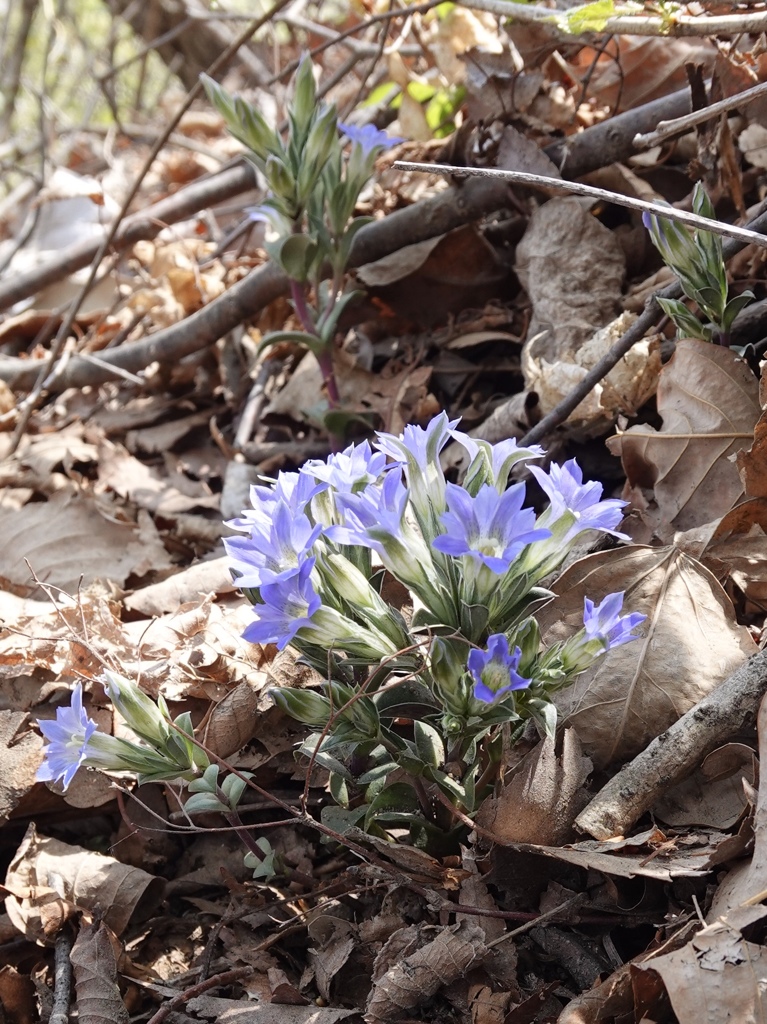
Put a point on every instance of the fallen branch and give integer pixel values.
(604, 142)
(676, 126)
(674, 25)
(676, 753)
(145, 225)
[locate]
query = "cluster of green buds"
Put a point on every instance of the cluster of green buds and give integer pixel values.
(315, 176)
(696, 259)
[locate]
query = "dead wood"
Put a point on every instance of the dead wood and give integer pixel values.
(145, 225)
(462, 203)
(676, 753)
(187, 38)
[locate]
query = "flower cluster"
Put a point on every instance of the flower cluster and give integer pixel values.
(318, 546)
(696, 258)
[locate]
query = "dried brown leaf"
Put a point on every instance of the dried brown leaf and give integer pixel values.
(418, 976)
(94, 959)
(543, 797)
(146, 487)
(67, 540)
(20, 757)
(690, 642)
(81, 877)
(708, 399)
(572, 267)
(714, 795)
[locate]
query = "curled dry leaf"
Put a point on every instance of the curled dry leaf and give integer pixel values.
(94, 959)
(416, 977)
(625, 388)
(544, 796)
(20, 751)
(709, 402)
(690, 642)
(79, 876)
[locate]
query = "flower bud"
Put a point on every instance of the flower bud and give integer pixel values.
(304, 705)
(139, 711)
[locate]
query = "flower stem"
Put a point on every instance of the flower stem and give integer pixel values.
(324, 356)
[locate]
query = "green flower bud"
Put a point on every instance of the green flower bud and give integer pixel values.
(139, 711)
(304, 705)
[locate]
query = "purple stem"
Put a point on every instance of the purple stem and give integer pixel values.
(324, 356)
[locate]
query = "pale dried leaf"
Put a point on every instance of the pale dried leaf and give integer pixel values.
(233, 720)
(333, 941)
(91, 880)
(572, 267)
(543, 797)
(20, 757)
(623, 391)
(94, 959)
(66, 539)
(146, 487)
(418, 976)
(690, 642)
(211, 577)
(709, 401)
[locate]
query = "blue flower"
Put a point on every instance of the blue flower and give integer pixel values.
(495, 670)
(68, 739)
(605, 623)
(292, 489)
(578, 502)
(377, 510)
(418, 446)
(491, 528)
(275, 548)
(287, 604)
(347, 472)
(368, 137)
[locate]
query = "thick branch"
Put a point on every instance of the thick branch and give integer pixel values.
(676, 753)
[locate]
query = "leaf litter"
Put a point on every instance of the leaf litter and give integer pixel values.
(111, 511)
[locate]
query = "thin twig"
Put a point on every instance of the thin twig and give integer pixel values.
(62, 976)
(668, 129)
(579, 189)
(226, 978)
(674, 25)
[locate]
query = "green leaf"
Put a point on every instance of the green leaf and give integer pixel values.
(207, 782)
(428, 744)
(309, 341)
(397, 799)
(591, 17)
(205, 803)
(328, 328)
(296, 255)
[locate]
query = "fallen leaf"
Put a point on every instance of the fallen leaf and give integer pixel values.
(689, 643)
(81, 877)
(714, 794)
(94, 959)
(572, 267)
(708, 399)
(69, 544)
(20, 757)
(543, 797)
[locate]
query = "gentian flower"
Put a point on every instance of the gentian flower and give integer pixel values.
(287, 604)
(576, 503)
(68, 739)
(605, 623)
(418, 448)
(494, 670)
(275, 548)
(347, 472)
(491, 528)
(292, 489)
(368, 137)
(373, 514)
